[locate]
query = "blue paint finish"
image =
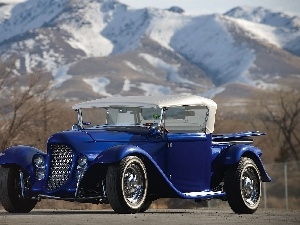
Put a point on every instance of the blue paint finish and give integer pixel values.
(119, 145)
(185, 161)
(215, 158)
(180, 165)
(108, 150)
(93, 141)
(19, 155)
(96, 144)
(263, 173)
(115, 136)
(72, 138)
(118, 152)
(233, 154)
(189, 161)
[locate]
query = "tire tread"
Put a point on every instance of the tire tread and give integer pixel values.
(232, 187)
(114, 190)
(9, 199)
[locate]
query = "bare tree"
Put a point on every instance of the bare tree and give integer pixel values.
(282, 117)
(26, 110)
(20, 100)
(55, 115)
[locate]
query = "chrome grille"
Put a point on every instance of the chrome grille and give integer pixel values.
(61, 160)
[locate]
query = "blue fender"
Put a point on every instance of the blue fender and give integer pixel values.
(116, 153)
(234, 153)
(19, 155)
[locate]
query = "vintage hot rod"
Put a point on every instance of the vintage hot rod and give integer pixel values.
(130, 151)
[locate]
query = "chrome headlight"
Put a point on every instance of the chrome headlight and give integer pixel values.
(38, 160)
(82, 161)
(40, 169)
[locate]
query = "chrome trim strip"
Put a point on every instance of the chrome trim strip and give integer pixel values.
(40, 196)
(22, 183)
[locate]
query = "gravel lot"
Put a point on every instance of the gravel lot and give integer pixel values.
(153, 216)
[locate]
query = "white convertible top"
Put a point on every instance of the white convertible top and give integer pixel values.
(147, 102)
(154, 102)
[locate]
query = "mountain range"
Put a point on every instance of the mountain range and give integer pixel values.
(97, 48)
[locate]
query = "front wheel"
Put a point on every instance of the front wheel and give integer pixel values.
(10, 192)
(126, 185)
(243, 186)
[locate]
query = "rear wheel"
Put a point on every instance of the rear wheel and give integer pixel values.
(243, 186)
(126, 185)
(11, 194)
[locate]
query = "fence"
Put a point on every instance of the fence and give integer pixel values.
(283, 192)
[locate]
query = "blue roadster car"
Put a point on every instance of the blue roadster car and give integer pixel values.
(130, 151)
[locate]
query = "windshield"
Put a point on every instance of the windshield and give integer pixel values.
(92, 117)
(176, 119)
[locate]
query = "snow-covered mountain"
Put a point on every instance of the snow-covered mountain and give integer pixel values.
(102, 47)
(282, 29)
(265, 16)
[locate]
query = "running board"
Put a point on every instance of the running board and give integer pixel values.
(205, 195)
(101, 199)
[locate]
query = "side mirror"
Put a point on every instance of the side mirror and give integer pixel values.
(155, 129)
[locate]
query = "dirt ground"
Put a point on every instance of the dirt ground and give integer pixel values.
(153, 216)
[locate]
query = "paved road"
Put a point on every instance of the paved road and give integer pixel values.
(170, 216)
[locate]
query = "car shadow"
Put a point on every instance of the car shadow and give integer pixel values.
(100, 212)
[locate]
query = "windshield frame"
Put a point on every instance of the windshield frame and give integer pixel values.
(187, 123)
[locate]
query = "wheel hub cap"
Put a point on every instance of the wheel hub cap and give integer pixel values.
(250, 187)
(133, 184)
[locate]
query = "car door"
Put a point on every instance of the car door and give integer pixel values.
(189, 161)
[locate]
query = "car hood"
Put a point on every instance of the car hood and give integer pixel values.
(116, 136)
(92, 142)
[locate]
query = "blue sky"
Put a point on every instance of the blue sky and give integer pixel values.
(196, 7)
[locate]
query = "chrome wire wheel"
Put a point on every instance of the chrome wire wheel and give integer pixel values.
(133, 184)
(127, 185)
(243, 186)
(250, 187)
